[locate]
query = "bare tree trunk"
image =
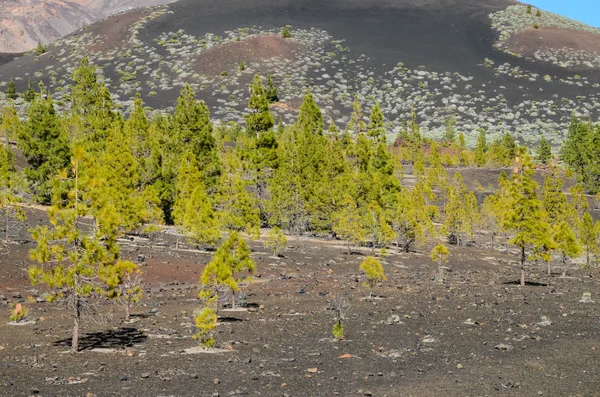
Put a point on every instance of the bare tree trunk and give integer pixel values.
(523, 266)
(549, 272)
(76, 321)
(127, 310)
(233, 299)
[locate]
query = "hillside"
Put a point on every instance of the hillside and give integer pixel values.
(485, 65)
(25, 23)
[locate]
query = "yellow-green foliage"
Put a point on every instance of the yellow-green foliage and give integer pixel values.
(232, 257)
(276, 241)
(348, 223)
(338, 331)
(206, 322)
(373, 271)
(124, 284)
(439, 254)
(18, 313)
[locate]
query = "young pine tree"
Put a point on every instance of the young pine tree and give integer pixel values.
(231, 258)
(374, 273)
(75, 260)
(481, 149)
(439, 254)
(11, 90)
(349, 224)
(405, 222)
(588, 238)
(12, 186)
(260, 119)
(276, 241)
(45, 144)
(379, 232)
(124, 281)
(526, 217)
(567, 244)
(544, 151)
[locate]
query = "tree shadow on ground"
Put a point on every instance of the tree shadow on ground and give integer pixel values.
(527, 283)
(121, 337)
(229, 319)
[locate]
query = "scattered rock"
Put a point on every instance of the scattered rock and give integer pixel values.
(393, 319)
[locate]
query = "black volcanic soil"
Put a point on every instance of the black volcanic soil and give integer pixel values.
(449, 341)
(115, 29)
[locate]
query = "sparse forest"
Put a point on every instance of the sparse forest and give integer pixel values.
(102, 174)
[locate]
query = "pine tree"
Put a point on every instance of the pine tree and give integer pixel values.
(449, 132)
(92, 108)
(544, 151)
(12, 187)
(310, 118)
(116, 181)
(555, 200)
(567, 244)
(30, 93)
(271, 92)
(11, 90)
(349, 224)
(439, 254)
(379, 232)
(238, 209)
(276, 241)
(124, 282)
(76, 261)
(526, 217)
(40, 49)
(356, 125)
(405, 222)
(374, 272)
(45, 144)
(481, 149)
(497, 205)
(200, 220)
(231, 258)
(460, 210)
(260, 120)
(137, 131)
(588, 238)
(376, 130)
(193, 132)
(579, 200)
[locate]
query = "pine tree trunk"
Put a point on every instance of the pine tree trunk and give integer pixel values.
(523, 266)
(127, 311)
(76, 321)
(587, 252)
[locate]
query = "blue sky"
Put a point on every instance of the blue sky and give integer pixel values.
(587, 11)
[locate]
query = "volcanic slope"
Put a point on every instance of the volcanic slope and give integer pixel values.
(25, 23)
(478, 64)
